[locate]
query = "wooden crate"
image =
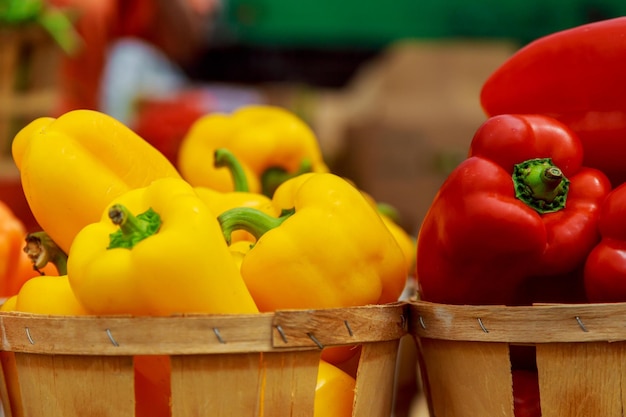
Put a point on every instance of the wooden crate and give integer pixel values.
(29, 71)
(466, 369)
(231, 365)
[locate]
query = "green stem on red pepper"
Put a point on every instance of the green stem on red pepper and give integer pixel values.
(132, 229)
(252, 220)
(274, 176)
(225, 158)
(41, 250)
(541, 185)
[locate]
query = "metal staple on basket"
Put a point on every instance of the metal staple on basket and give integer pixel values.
(218, 335)
(111, 338)
(581, 324)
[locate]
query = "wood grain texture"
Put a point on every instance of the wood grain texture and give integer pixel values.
(216, 385)
(580, 355)
(330, 327)
(289, 381)
(70, 386)
(467, 379)
(376, 372)
(529, 324)
(198, 334)
(581, 379)
(221, 365)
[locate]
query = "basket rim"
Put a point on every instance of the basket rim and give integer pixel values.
(539, 323)
(283, 330)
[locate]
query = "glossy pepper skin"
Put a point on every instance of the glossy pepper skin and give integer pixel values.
(329, 249)
(576, 76)
(334, 392)
(157, 250)
(271, 143)
(605, 268)
(73, 166)
(390, 217)
(47, 294)
(481, 243)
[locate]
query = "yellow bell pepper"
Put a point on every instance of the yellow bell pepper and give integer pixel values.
(330, 248)
(48, 295)
(406, 242)
(73, 166)
(271, 143)
(334, 392)
(158, 250)
(391, 218)
(219, 201)
(9, 304)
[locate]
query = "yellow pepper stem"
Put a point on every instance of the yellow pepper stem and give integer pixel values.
(132, 229)
(41, 249)
(274, 176)
(225, 158)
(251, 220)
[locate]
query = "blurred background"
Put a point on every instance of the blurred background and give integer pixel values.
(390, 88)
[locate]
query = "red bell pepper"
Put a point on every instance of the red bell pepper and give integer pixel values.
(526, 398)
(576, 76)
(520, 208)
(605, 268)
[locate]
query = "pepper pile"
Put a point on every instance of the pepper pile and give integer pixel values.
(535, 213)
(251, 220)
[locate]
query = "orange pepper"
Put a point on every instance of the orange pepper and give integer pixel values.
(15, 266)
(45, 294)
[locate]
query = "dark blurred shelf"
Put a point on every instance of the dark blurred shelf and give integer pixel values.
(256, 64)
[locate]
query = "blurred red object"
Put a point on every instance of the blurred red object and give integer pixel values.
(163, 122)
(177, 27)
(98, 22)
(12, 194)
(15, 266)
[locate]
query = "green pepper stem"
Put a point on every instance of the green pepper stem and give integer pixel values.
(252, 220)
(132, 229)
(541, 185)
(41, 250)
(274, 176)
(225, 158)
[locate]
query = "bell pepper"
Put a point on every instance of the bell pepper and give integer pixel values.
(48, 294)
(605, 268)
(241, 196)
(41, 251)
(15, 266)
(526, 398)
(520, 208)
(158, 250)
(73, 166)
(45, 294)
(576, 76)
(153, 392)
(334, 392)
(391, 218)
(329, 248)
(271, 143)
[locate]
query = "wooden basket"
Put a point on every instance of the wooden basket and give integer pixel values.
(231, 365)
(464, 357)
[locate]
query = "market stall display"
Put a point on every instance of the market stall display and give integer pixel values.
(209, 300)
(521, 283)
